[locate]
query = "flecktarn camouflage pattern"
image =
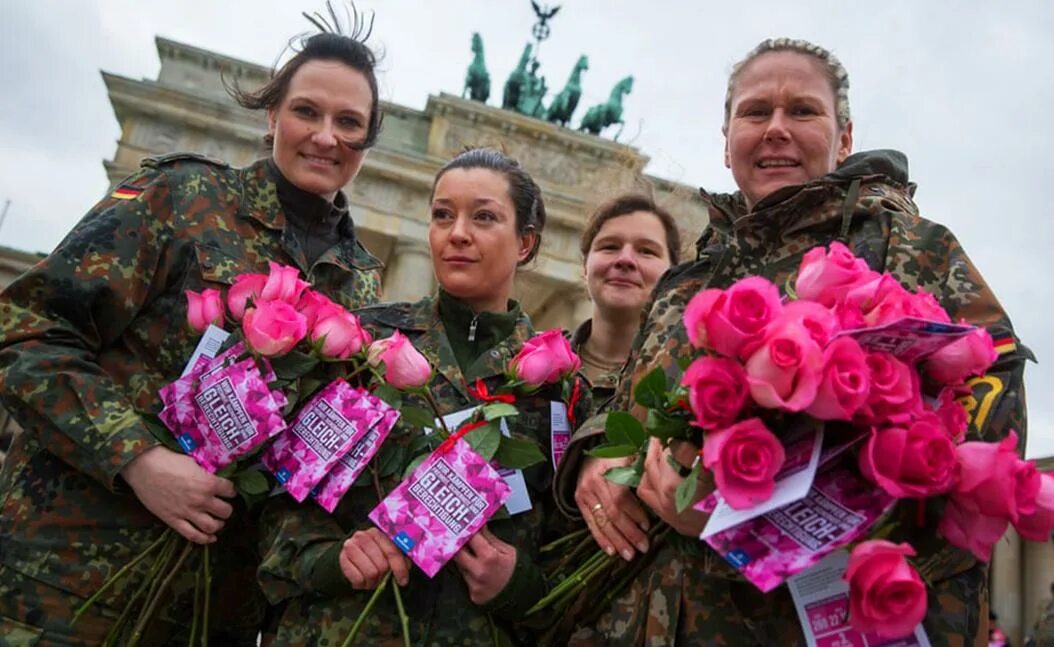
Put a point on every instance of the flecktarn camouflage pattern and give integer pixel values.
(688, 595)
(87, 338)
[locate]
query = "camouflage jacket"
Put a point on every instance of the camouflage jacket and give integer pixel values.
(689, 594)
(603, 388)
(301, 543)
(91, 333)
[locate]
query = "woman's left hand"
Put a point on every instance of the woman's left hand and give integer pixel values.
(486, 563)
(659, 483)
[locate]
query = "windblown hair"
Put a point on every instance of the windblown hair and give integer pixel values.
(333, 42)
(627, 204)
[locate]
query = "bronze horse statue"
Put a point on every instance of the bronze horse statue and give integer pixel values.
(514, 86)
(477, 80)
(604, 114)
(564, 104)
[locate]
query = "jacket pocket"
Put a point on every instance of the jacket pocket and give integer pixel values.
(216, 268)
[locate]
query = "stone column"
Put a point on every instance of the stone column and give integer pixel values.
(1006, 585)
(1038, 575)
(408, 276)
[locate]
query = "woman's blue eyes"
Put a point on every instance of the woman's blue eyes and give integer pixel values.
(311, 113)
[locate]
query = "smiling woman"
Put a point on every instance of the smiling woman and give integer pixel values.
(89, 335)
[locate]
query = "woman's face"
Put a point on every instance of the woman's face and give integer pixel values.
(625, 261)
(326, 104)
(782, 127)
(473, 238)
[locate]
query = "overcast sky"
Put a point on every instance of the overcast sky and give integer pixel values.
(965, 89)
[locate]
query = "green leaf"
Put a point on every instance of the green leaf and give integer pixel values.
(485, 440)
(684, 362)
(309, 386)
(421, 443)
(685, 493)
(161, 432)
(417, 417)
(389, 394)
(251, 482)
(501, 513)
(414, 465)
(293, 365)
(612, 451)
(496, 410)
(627, 476)
(390, 459)
(622, 428)
(650, 392)
(665, 426)
(518, 453)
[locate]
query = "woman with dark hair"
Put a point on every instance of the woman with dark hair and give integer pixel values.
(788, 143)
(91, 334)
(487, 220)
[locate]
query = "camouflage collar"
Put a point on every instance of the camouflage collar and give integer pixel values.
(260, 202)
(791, 209)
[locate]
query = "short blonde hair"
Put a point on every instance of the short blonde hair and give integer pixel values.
(836, 74)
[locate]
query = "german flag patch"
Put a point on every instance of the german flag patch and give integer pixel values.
(1004, 344)
(126, 193)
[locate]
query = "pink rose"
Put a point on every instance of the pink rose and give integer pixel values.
(745, 459)
(1039, 524)
(735, 319)
(784, 372)
(273, 328)
(717, 391)
(989, 477)
(926, 306)
(696, 313)
(246, 287)
(826, 274)
(886, 596)
(952, 414)
(849, 316)
(915, 460)
(821, 322)
(315, 306)
(890, 302)
(340, 333)
(969, 355)
(894, 397)
(283, 284)
(404, 367)
(545, 358)
(965, 526)
(204, 309)
(845, 382)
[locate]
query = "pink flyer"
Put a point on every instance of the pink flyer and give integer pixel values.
(343, 475)
(446, 500)
(839, 508)
(324, 430)
(910, 338)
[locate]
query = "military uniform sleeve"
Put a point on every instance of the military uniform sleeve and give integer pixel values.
(300, 548)
(61, 314)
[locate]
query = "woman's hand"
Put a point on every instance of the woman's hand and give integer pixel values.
(611, 511)
(366, 558)
(180, 493)
(658, 486)
(486, 563)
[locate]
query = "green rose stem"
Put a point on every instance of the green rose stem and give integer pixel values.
(427, 395)
(207, 570)
(567, 539)
(140, 591)
(144, 617)
(404, 620)
(197, 608)
(119, 574)
(366, 611)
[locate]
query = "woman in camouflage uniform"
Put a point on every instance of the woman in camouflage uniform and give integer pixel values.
(487, 219)
(92, 332)
(788, 143)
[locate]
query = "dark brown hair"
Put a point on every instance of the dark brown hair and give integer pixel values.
(330, 44)
(627, 204)
(525, 193)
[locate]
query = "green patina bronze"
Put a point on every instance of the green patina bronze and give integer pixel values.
(517, 80)
(564, 104)
(605, 114)
(532, 93)
(477, 80)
